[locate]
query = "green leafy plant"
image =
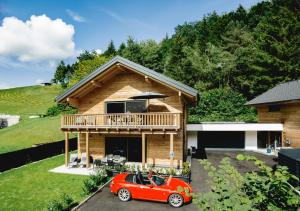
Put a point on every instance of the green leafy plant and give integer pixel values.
(265, 189)
(60, 109)
(185, 190)
(65, 203)
(269, 189)
(89, 186)
(186, 170)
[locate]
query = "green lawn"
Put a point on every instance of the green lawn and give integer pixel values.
(29, 132)
(26, 101)
(31, 187)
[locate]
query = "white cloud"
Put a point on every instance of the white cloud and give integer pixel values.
(75, 16)
(39, 81)
(37, 39)
(98, 51)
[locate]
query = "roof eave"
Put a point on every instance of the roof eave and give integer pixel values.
(144, 70)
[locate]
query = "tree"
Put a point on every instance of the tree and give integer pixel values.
(63, 74)
(222, 104)
(121, 49)
(132, 51)
(84, 67)
(111, 50)
(86, 55)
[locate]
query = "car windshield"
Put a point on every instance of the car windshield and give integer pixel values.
(158, 180)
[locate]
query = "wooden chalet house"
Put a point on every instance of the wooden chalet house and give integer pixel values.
(281, 104)
(109, 120)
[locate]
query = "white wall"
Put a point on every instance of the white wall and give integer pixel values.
(11, 119)
(250, 140)
(192, 139)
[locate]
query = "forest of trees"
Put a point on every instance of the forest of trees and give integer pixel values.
(230, 58)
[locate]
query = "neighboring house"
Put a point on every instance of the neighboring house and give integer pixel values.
(281, 104)
(110, 121)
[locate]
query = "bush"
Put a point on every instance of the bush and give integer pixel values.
(262, 190)
(89, 186)
(222, 104)
(65, 203)
(59, 109)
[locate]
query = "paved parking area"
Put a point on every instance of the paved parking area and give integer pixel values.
(105, 201)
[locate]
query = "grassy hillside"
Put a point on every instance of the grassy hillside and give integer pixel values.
(26, 101)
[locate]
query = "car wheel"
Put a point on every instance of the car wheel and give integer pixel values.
(124, 194)
(176, 200)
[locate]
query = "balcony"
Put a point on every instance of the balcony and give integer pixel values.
(122, 121)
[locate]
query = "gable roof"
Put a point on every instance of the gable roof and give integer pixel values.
(139, 68)
(281, 93)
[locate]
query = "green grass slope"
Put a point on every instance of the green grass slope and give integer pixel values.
(29, 100)
(26, 101)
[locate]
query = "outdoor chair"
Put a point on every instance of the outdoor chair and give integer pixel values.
(110, 163)
(73, 160)
(83, 160)
(97, 163)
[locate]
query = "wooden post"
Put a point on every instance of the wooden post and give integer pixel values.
(171, 149)
(87, 150)
(143, 149)
(66, 148)
(78, 145)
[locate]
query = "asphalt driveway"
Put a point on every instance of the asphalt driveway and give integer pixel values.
(105, 201)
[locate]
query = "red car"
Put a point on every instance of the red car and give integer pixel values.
(152, 187)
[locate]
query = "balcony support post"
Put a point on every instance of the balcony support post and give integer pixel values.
(143, 149)
(66, 149)
(171, 150)
(87, 149)
(78, 145)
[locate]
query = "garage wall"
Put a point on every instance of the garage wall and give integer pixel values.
(251, 140)
(192, 139)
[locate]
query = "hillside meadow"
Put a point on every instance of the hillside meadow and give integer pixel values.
(27, 101)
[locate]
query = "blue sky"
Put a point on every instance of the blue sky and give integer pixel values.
(31, 47)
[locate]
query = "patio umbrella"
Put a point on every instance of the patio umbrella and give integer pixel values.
(149, 95)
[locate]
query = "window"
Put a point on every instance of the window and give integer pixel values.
(115, 107)
(274, 108)
(133, 106)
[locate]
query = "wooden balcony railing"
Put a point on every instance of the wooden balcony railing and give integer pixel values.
(121, 121)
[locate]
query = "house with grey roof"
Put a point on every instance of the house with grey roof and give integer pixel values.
(281, 104)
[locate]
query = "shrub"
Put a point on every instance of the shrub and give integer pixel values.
(59, 109)
(266, 189)
(55, 205)
(100, 177)
(89, 186)
(186, 170)
(65, 203)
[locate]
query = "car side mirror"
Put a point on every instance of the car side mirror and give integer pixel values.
(150, 186)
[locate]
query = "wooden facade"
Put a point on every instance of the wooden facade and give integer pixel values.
(162, 129)
(289, 115)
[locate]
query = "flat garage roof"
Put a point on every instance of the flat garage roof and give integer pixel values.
(228, 126)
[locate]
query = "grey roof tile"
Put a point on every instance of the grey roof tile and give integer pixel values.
(280, 93)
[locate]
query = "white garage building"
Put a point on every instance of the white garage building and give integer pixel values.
(242, 136)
